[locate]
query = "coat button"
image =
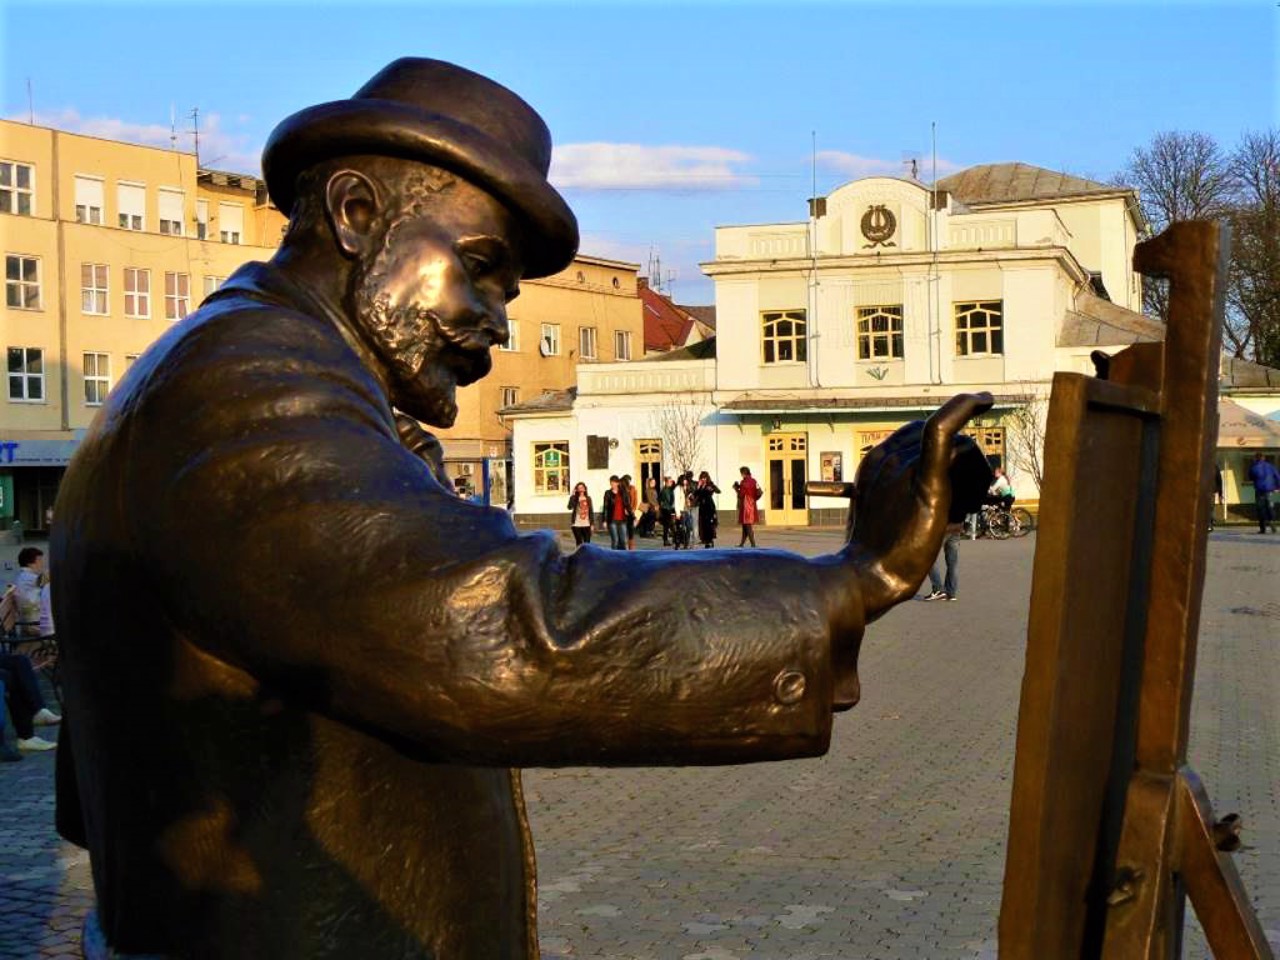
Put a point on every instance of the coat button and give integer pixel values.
(788, 688)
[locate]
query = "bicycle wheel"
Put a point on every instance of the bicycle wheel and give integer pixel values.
(1000, 525)
(1024, 520)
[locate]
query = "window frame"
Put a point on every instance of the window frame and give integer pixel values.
(21, 284)
(798, 341)
(513, 337)
(177, 305)
(869, 338)
(15, 192)
(161, 193)
(25, 377)
(583, 353)
(510, 396)
(139, 297)
(541, 471)
(99, 381)
(138, 223)
(232, 237)
(622, 338)
(553, 348)
(965, 334)
(100, 293)
(100, 208)
(202, 219)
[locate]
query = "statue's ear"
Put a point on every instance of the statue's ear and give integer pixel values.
(351, 204)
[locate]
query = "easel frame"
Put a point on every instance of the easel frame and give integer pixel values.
(1109, 829)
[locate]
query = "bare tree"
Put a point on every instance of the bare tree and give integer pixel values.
(680, 427)
(1179, 176)
(1025, 435)
(1253, 290)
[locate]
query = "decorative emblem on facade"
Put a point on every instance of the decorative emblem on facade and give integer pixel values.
(878, 373)
(878, 225)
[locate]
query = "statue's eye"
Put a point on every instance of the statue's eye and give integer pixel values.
(477, 265)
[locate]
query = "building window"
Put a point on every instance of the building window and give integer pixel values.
(89, 202)
(510, 396)
(171, 203)
(784, 336)
(587, 343)
(551, 467)
(131, 199)
(21, 282)
(211, 284)
(137, 292)
(26, 374)
(991, 442)
(97, 378)
(202, 219)
(230, 222)
(980, 328)
(177, 295)
(551, 339)
(513, 336)
(622, 344)
(880, 333)
(17, 188)
(93, 289)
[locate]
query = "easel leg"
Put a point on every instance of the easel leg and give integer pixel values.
(1212, 882)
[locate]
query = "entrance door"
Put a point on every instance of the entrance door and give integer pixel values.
(649, 462)
(786, 459)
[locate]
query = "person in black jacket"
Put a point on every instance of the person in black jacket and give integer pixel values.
(708, 521)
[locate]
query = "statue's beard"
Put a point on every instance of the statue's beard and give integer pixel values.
(425, 366)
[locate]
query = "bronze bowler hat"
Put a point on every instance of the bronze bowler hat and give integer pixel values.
(442, 114)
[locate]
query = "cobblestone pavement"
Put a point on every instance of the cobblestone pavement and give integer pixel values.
(889, 847)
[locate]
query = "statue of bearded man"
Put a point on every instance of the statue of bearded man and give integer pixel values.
(299, 671)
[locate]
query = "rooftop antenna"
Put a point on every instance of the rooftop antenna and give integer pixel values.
(173, 127)
(31, 105)
(195, 131)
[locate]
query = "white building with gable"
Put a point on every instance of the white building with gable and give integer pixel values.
(834, 331)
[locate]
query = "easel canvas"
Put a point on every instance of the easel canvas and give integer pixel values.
(1109, 829)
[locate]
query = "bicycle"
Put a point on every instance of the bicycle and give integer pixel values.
(1024, 520)
(997, 523)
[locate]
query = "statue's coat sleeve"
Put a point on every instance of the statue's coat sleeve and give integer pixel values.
(305, 546)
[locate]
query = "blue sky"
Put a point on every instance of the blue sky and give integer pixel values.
(670, 119)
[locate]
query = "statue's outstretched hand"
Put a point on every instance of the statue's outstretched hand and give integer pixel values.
(908, 489)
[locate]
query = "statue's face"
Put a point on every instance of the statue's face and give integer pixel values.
(433, 298)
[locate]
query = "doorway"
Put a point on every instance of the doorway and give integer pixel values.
(786, 466)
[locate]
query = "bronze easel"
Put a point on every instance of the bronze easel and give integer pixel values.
(1109, 829)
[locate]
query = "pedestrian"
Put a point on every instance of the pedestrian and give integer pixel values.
(613, 513)
(1266, 480)
(667, 508)
(580, 514)
(1218, 498)
(629, 490)
(945, 589)
(749, 494)
(708, 520)
(25, 702)
(651, 507)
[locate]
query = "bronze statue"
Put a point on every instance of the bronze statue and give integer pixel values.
(298, 669)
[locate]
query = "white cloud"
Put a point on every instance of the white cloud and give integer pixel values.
(220, 149)
(633, 166)
(853, 165)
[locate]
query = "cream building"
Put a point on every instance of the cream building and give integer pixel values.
(833, 332)
(107, 244)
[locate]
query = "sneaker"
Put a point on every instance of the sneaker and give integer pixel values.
(936, 595)
(46, 718)
(8, 754)
(952, 596)
(35, 744)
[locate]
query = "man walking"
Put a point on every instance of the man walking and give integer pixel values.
(1266, 480)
